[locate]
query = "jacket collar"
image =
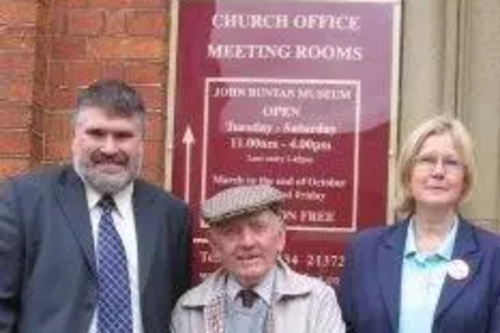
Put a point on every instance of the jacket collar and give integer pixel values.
(467, 250)
(287, 284)
(389, 263)
(290, 283)
(70, 192)
(389, 266)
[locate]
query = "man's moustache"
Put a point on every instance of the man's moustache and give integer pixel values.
(120, 159)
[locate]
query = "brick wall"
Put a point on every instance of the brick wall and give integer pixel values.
(18, 30)
(76, 42)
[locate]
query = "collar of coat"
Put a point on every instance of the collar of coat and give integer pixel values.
(288, 284)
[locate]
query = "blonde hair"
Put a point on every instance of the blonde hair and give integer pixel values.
(437, 125)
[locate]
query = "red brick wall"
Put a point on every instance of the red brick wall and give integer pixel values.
(76, 42)
(18, 28)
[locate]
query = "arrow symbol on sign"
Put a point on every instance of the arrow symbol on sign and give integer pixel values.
(188, 141)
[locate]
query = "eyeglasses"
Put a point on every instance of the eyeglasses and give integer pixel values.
(428, 163)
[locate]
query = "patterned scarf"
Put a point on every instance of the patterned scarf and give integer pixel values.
(214, 316)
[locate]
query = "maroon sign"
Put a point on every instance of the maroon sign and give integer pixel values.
(296, 95)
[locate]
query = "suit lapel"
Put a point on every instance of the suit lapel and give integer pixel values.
(466, 249)
(389, 265)
(147, 229)
(70, 194)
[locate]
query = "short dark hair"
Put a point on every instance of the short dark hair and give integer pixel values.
(113, 96)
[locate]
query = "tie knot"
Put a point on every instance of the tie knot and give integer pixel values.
(107, 203)
(248, 297)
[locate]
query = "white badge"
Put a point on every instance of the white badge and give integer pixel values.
(458, 269)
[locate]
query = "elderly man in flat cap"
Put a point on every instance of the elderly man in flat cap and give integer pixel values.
(254, 290)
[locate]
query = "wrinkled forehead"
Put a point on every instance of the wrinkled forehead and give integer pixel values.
(262, 217)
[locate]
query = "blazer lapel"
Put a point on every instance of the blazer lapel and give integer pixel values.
(70, 194)
(147, 230)
(389, 265)
(466, 249)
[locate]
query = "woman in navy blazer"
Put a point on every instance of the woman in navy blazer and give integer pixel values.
(432, 271)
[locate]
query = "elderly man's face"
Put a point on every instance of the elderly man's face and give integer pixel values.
(249, 246)
(107, 150)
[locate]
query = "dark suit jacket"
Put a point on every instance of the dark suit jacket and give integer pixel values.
(47, 266)
(370, 286)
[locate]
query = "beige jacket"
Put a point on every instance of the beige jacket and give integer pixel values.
(301, 304)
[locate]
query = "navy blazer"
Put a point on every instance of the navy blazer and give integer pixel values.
(371, 282)
(47, 266)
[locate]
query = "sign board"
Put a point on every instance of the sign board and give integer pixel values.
(299, 95)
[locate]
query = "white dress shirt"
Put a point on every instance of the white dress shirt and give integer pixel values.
(124, 221)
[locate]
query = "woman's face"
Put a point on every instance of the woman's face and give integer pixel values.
(437, 177)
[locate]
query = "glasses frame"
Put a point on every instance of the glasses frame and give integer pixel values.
(429, 163)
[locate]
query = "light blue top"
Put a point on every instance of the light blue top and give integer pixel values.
(239, 319)
(422, 280)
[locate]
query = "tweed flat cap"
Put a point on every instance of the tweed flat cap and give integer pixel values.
(239, 200)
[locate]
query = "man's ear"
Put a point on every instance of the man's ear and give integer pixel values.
(213, 242)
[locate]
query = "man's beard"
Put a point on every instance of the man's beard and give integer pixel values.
(104, 182)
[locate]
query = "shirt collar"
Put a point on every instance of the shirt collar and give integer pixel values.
(445, 250)
(264, 289)
(122, 198)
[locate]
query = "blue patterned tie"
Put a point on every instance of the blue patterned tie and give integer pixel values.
(114, 307)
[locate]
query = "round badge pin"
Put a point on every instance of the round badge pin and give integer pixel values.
(458, 269)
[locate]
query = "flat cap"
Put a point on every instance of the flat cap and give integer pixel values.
(238, 201)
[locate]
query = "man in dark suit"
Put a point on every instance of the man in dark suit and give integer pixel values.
(89, 248)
